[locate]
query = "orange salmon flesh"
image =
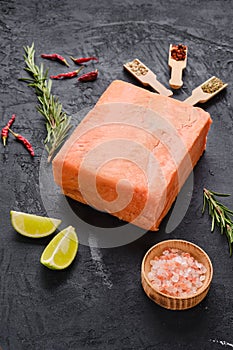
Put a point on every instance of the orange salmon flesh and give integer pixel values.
(132, 153)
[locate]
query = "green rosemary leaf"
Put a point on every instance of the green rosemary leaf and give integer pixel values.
(220, 194)
(57, 121)
(210, 208)
(32, 85)
(40, 100)
(222, 220)
(204, 204)
(231, 237)
(227, 210)
(228, 223)
(47, 148)
(216, 216)
(49, 86)
(27, 80)
(41, 69)
(213, 221)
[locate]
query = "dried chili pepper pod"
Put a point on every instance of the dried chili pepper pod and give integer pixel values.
(66, 75)
(55, 57)
(90, 76)
(82, 60)
(24, 141)
(5, 130)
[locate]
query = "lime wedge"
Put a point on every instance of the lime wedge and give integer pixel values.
(61, 251)
(32, 225)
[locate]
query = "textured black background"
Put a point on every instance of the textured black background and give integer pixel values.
(98, 302)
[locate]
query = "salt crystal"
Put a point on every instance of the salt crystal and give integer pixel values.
(175, 278)
(177, 259)
(199, 284)
(199, 265)
(190, 261)
(156, 281)
(194, 290)
(153, 262)
(166, 252)
(203, 269)
(174, 250)
(150, 276)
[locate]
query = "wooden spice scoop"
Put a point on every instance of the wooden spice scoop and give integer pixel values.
(146, 76)
(176, 69)
(214, 85)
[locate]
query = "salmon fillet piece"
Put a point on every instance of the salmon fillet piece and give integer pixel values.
(132, 153)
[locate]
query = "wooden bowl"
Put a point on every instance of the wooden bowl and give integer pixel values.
(165, 300)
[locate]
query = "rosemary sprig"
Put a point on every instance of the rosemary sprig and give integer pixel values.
(221, 214)
(57, 121)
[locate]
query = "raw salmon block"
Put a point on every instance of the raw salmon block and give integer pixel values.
(132, 153)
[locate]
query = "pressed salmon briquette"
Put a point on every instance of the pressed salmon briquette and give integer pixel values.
(132, 153)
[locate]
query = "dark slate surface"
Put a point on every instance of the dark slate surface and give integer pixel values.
(98, 302)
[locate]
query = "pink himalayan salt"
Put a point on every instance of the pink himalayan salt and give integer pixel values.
(176, 273)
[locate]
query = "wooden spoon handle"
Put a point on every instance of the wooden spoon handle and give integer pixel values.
(157, 86)
(176, 78)
(193, 99)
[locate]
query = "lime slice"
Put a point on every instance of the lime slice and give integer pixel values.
(61, 251)
(32, 225)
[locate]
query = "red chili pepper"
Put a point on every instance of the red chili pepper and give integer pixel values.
(5, 130)
(84, 59)
(24, 141)
(89, 76)
(66, 75)
(55, 57)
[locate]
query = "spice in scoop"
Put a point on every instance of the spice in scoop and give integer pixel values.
(178, 52)
(137, 67)
(212, 85)
(176, 273)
